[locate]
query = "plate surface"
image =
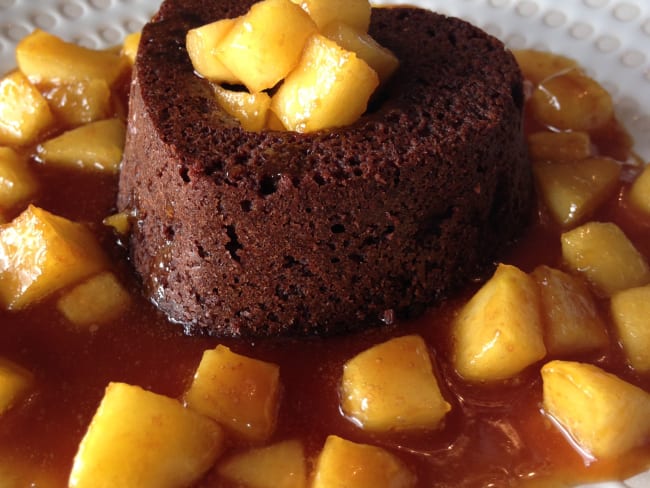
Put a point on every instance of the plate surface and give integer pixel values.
(610, 38)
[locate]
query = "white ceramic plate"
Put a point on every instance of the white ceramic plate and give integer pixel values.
(611, 38)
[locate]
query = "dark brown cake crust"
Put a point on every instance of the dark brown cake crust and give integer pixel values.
(274, 233)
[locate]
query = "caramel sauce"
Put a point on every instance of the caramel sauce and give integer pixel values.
(495, 435)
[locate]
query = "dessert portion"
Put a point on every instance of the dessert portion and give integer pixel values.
(539, 377)
(271, 232)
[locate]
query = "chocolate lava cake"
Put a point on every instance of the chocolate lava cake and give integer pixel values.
(273, 233)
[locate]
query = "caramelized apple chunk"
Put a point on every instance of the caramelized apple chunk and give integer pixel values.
(130, 46)
(139, 438)
(605, 256)
(571, 101)
(639, 194)
(24, 113)
(391, 386)
(79, 103)
(499, 332)
(15, 382)
(345, 463)
(380, 59)
(97, 146)
(119, 221)
(97, 300)
(41, 253)
(573, 191)
(631, 314)
(265, 44)
(572, 323)
(45, 58)
(604, 415)
(537, 66)
(559, 146)
(17, 184)
(201, 43)
(239, 392)
(355, 13)
(330, 87)
(281, 465)
(251, 109)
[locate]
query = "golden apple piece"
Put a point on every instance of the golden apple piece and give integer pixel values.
(639, 194)
(239, 392)
(24, 113)
(603, 254)
(15, 383)
(498, 333)
(380, 59)
(139, 438)
(17, 184)
(265, 44)
(344, 463)
(631, 315)
(120, 222)
(355, 13)
(79, 103)
(559, 146)
(280, 465)
(201, 43)
(572, 323)
(604, 415)
(130, 46)
(45, 58)
(391, 386)
(573, 191)
(98, 300)
(537, 66)
(571, 101)
(250, 109)
(329, 88)
(41, 253)
(97, 146)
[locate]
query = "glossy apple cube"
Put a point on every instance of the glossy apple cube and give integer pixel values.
(239, 392)
(631, 315)
(281, 465)
(603, 254)
(344, 463)
(572, 323)
(41, 253)
(141, 439)
(499, 333)
(391, 386)
(24, 114)
(330, 87)
(604, 415)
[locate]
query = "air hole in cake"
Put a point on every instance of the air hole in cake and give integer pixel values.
(269, 184)
(202, 252)
(233, 245)
(338, 229)
(246, 205)
(184, 173)
(357, 258)
(518, 95)
(452, 38)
